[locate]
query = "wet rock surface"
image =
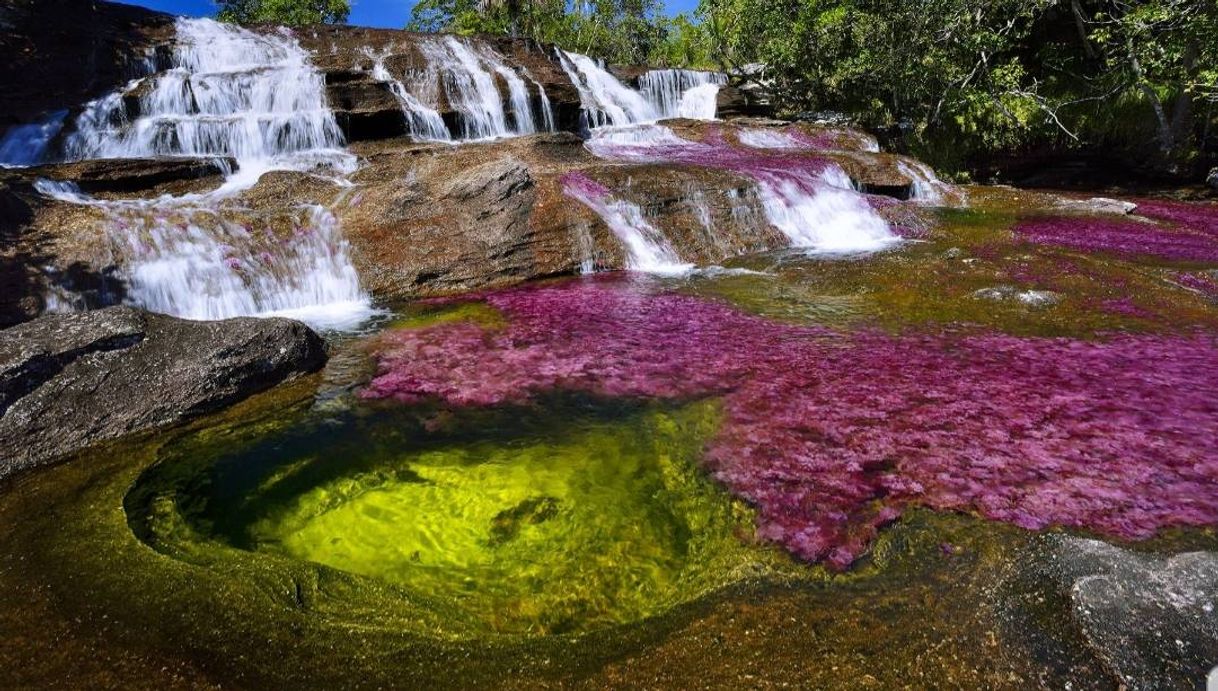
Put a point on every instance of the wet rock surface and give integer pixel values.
(1153, 620)
(68, 381)
(135, 175)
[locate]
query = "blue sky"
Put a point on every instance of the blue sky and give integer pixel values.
(391, 14)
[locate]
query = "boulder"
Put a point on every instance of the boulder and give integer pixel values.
(1211, 180)
(1099, 205)
(138, 175)
(71, 380)
(1152, 619)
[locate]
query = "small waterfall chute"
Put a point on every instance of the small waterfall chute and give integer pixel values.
(423, 122)
(676, 93)
(811, 201)
(27, 145)
(605, 100)
(647, 249)
(470, 73)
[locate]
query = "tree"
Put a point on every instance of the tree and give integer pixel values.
(972, 78)
(289, 12)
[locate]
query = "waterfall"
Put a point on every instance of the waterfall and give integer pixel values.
(468, 73)
(605, 100)
(26, 145)
(682, 93)
(647, 249)
(547, 110)
(812, 201)
(663, 93)
(926, 187)
(231, 92)
(422, 121)
(769, 139)
(187, 257)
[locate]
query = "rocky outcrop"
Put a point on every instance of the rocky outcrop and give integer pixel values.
(1152, 620)
(61, 53)
(366, 108)
(138, 175)
(71, 380)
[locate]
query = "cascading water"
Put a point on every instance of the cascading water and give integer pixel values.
(769, 139)
(605, 100)
(468, 72)
(682, 93)
(548, 122)
(231, 93)
(188, 257)
(811, 201)
(926, 187)
(422, 121)
(663, 93)
(647, 249)
(257, 99)
(26, 145)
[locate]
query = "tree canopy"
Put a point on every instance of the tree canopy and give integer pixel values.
(954, 77)
(621, 31)
(289, 12)
(994, 75)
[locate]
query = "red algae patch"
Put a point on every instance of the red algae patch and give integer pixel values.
(1181, 232)
(832, 435)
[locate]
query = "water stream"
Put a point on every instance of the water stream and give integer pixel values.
(812, 202)
(253, 98)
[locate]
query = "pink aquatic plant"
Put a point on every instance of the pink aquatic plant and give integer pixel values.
(1182, 231)
(831, 436)
(1206, 284)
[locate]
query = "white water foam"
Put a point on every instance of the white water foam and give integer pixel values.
(233, 93)
(422, 121)
(816, 207)
(682, 93)
(647, 249)
(26, 145)
(468, 72)
(188, 257)
(927, 188)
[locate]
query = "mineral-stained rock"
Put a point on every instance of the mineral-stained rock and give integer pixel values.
(70, 380)
(136, 175)
(1152, 620)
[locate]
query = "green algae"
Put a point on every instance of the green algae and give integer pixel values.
(91, 604)
(940, 281)
(539, 522)
(420, 315)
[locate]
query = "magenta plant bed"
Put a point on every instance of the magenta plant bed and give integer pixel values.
(832, 435)
(1184, 232)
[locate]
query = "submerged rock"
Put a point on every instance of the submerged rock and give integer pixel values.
(1152, 620)
(1031, 298)
(70, 380)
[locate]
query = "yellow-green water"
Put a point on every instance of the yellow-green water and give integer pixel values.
(604, 525)
(569, 517)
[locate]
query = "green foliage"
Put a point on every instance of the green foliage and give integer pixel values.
(997, 75)
(289, 12)
(620, 31)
